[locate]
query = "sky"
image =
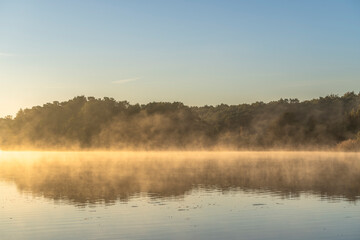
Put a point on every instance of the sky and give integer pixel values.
(193, 51)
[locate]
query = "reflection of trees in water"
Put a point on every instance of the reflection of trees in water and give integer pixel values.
(108, 177)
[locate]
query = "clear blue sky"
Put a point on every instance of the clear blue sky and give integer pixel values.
(196, 52)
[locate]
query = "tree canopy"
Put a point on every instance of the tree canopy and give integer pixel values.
(94, 123)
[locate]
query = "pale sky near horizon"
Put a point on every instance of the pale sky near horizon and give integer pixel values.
(196, 52)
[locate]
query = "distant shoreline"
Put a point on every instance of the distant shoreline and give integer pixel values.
(88, 123)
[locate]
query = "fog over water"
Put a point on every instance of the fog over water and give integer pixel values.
(204, 120)
(179, 195)
(82, 177)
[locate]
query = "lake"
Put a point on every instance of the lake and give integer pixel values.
(179, 195)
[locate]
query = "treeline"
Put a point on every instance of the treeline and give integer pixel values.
(92, 123)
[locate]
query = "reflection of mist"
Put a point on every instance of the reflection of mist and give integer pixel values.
(106, 177)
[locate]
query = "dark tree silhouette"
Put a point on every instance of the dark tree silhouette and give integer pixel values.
(88, 122)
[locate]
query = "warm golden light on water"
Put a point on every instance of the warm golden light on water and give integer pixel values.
(108, 176)
(153, 193)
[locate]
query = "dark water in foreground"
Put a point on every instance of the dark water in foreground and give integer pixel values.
(192, 195)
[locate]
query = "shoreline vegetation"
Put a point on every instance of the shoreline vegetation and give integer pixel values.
(330, 123)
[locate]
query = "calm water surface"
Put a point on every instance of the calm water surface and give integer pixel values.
(177, 195)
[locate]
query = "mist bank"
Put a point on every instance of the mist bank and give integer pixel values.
(83, 178)
(331, 122)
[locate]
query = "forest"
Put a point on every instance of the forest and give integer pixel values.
(85, 123)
